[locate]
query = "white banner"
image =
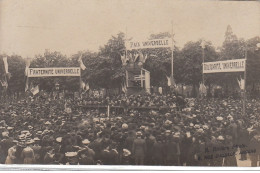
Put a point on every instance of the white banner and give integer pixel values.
(157, 43)
(234, 65)
(57, 71)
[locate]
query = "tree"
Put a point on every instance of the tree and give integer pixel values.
(253, 64)
(190, 64)
(232, 48)
(107, 65)
(16, 68)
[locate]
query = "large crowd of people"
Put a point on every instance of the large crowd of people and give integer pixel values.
(169, 130)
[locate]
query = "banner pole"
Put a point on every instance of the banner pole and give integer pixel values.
(203, 78)
(126, 42)
(172, 55)
(203, 60)
(126, 75)
(244, 99)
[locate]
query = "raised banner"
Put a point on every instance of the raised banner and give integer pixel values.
(235, 65)
(157, 43)
(57, 71)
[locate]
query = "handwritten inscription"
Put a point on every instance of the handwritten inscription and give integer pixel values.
(225, 151)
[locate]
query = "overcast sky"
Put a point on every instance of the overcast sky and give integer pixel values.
(28, 27)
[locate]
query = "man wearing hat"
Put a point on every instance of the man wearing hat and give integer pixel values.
(230, 159)
(243, 140)
(139, 149)
(158, 151)
(6, 143)
(37, 150)
(172, 149)
(11, 158)
(113, 154)
(129, 140)
(185, 146)
(86, 154)
(150, 140)
(49, 156)
(255, 145)
(28, 153)
(126, 157)
(71, 158)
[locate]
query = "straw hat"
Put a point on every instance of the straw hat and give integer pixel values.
(221, 138)
(167, 131)
(200, 130)
(124, 126)
(30, 127)
(139, 133)
(48, 123)
(36, 139)
(5, 134)
(85, 141)
(39, 133)
(10, 128)
(59, 139)
(205, 127)
(219, 118)
(167, 122)
(71, 154)
(126, 152)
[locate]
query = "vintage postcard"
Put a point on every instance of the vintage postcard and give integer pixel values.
(129, 82)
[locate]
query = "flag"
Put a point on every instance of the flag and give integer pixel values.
(171, 81)
(145, 58)
(27, 65)
(241, 83)
(202, 89)
(123, 59)
(87, 87)
(141, 57)
(5, 64)
(83, 85)
(35, 90)
(81, 64)
(136, 55)
(4, 83)
(123, 86)
(129, 57)
(26, 84)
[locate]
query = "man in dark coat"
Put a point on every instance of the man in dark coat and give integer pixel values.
(255, 145)
(158, 151)
(150, 141)
(139, 149)
(173, 151)
(185, 149)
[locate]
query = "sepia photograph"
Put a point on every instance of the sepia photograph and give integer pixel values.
(130, 82)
